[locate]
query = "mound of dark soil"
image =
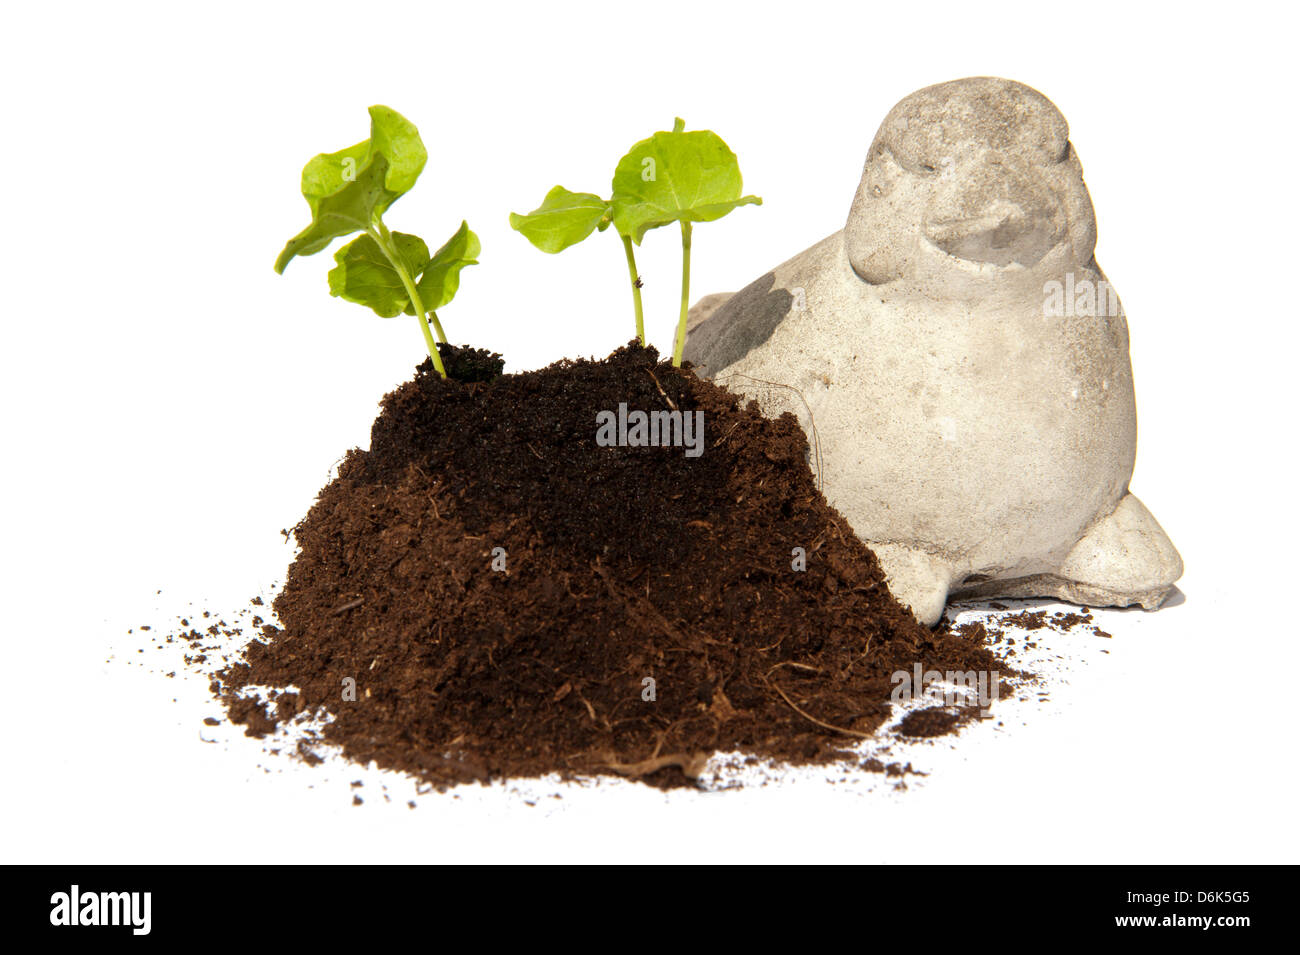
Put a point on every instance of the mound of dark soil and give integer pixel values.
(509, 598)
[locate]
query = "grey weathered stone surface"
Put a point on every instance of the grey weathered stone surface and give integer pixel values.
(976, 428)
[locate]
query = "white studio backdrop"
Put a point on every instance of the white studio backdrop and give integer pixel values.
(171, 403)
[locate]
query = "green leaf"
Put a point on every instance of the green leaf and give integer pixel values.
(676, 177)
(365, 276)
(329, 173)
(395, 137)
(347, 189)
(441, 276)
(346, 211)
(563, 219)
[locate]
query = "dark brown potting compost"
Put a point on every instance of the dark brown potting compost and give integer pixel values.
(488, 592)
(935, 720)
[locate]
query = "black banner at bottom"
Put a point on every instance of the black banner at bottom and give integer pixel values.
(363, 903)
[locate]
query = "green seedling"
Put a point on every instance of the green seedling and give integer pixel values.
(391, 273)
(566, 218)
(677, 177)
(671, 177)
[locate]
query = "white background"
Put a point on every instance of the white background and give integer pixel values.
(170, 403)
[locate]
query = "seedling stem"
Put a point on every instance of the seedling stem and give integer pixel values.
(636, 288)
(680, 344)
(384, 239)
